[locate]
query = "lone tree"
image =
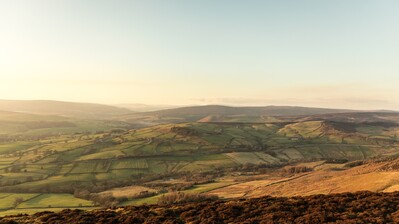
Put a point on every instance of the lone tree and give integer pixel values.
(17, 201)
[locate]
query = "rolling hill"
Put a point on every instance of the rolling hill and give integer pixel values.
(127, 156)
(145, 108)
(248, 111)
(67, 109)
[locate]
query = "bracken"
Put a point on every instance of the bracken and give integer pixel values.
(360, 207)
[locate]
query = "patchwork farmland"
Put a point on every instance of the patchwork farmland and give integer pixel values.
(195, 157)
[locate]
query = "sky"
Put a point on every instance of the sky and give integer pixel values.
(336, 54)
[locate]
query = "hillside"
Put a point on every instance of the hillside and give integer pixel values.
(191, 147)
(323, 177)
(362, 207)
(67, 109)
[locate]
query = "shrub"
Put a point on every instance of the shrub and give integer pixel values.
(297, 169)
(354, 164)
(181, 197)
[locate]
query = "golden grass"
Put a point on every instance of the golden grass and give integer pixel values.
(322, 181)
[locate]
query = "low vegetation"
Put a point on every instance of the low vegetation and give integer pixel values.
(361, 207)
(181, 197)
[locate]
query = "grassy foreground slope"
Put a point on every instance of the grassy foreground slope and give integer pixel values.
(378, 175)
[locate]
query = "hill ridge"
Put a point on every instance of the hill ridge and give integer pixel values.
(63, 108)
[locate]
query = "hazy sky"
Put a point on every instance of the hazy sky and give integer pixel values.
(341, 53)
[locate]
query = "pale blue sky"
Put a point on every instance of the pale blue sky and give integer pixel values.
(340, 53)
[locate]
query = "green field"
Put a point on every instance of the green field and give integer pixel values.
(51, 167)
(32, 203)
(203, 188)
(55, 201)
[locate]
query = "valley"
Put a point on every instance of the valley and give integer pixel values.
(96, 163)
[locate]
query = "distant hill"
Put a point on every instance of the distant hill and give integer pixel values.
(36, 125)
(249, 111)
(144, 107)
(218, 113)
(357, 117)
(67, 109)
